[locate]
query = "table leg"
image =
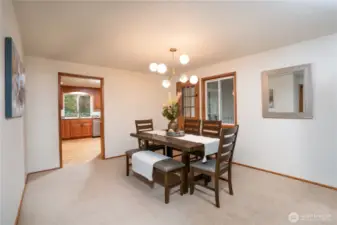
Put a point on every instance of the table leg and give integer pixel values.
(186, 161)
(169, 152)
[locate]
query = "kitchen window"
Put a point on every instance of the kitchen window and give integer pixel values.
(219, 98)
(77, 105)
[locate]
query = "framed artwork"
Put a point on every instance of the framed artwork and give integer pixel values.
(14, 81)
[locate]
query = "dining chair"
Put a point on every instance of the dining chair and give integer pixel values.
(143, 126)
(211, 128)
(192, 126)
(219, 166)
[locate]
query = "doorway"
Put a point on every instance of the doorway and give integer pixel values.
(81, 119)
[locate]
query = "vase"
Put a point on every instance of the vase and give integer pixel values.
(173, 125)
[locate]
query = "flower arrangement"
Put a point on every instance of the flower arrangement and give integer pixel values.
(171, 109)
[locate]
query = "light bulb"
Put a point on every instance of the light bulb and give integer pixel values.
(153, 67)
(184, 59)
(161, 68)
(183, 78)
(193, 79)
(166, 83)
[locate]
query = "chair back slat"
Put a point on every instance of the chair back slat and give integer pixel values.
(144, 125)
(226, 147)
(228, 139)
(211, 128)
(192, 126)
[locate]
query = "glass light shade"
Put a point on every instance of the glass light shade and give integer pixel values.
(166, 83)
(153, 67)
(194, 79)
(183, 78)
(161, 68)
(184, 59)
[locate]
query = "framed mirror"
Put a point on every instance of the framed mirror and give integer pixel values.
(287, 93)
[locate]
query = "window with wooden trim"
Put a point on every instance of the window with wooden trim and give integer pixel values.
(189, 101)
(219, 98)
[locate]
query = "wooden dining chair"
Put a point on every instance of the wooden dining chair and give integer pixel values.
(211, 128)
(192, 126)
(143, 126)
(219, 166)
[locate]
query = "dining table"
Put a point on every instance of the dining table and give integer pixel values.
(186, 147)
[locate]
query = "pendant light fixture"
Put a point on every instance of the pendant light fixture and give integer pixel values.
(161, 68)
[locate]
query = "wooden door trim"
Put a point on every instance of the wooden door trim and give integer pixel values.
(203, 90)
(61, 74)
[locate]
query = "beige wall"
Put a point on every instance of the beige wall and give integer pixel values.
(127, 96)
(288, 146)
(12, 131)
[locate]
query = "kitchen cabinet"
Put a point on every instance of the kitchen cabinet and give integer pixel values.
(97, 100)
(76, 128)
(65, 129)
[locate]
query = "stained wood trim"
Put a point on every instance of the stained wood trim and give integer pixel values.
(288, 176)
(61, 74)
(20, 205)
(203, 90)
(78, 87)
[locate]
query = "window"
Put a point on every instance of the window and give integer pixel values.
(77, 104)
(188, 101)
(219, 102)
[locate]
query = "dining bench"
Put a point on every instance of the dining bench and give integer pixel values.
(164, 173)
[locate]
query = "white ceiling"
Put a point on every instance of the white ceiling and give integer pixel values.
(80, 82)
(131, 35)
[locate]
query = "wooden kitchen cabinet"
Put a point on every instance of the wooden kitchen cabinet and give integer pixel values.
(76, 128)
(97, 100)
(65, 129)
(87, 129)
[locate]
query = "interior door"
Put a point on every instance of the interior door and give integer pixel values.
(189, 102)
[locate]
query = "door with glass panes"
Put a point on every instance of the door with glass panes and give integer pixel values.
(189, 102)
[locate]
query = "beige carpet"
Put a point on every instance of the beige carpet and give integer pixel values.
(99, 193)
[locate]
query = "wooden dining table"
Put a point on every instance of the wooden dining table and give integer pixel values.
(171, 143)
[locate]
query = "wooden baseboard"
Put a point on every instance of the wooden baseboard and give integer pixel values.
(288, 176)
(115, 157)
(56, 168)
(20, 205)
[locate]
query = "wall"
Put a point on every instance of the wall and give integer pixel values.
(12, 145)
(127, 96)
(2, 104)
(300, 148)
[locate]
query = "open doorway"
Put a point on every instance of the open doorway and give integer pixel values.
(81, 119)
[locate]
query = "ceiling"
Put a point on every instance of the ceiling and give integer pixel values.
(130, 35)
(80, 82)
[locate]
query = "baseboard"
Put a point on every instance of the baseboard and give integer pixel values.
(115, 157)
(20, 205)
(288, 176)
(56, 168)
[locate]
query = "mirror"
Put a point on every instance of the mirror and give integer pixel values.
(287, 93)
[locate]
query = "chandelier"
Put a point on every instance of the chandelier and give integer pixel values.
(161, 68)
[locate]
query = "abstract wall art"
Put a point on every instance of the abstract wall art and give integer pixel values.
(14, 81)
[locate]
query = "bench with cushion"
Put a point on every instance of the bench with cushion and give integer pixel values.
(164, 173)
